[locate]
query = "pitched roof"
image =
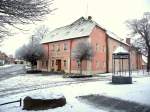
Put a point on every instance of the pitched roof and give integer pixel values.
(79, 28)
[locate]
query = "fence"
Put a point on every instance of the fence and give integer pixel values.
(20, 102)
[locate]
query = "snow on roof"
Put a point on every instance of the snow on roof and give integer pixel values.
(111, 34)
(120, 50)
(144, 58)
(116, 37)
(79, 28)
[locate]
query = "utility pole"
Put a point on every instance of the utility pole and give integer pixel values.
(32, 50)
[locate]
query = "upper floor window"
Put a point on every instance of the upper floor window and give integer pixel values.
(53, 47)
(97, 47)
(58, 47)
(104, 48)
(65, 46)
(97, 64)
(114, 48)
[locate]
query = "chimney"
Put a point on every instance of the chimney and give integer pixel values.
(89, 17)
(128, 41)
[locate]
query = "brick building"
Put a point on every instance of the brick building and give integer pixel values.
(59, 43)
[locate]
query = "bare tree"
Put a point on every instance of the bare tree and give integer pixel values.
(141, 27)
(41, 32)
(14, 12)
(31, 52)
(139, 43)
(82, 51)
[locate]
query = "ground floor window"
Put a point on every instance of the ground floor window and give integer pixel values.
(52, 63)
(65, 63)
(46, 63)
(104, 64)
(97, 64)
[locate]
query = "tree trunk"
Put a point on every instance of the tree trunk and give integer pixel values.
(148, 61)
(80, 67)
(32, 65)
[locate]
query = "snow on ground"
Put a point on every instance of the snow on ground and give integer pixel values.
(29, 80)
(138, 73)
(39, 79)
(138, 92)
(73, 105)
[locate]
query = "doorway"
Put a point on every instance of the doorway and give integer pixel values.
(58, 62)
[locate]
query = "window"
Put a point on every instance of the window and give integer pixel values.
(58, 47)
(67, 32)
(104, 49)
(78, 64)
(46, 63)
(114, 48)
(65, 63)
(104, 64)
(97, 64)
(65, 46)
(81, 30)
(53, 47)
(52, 63)
(42, 63)
(97, 47)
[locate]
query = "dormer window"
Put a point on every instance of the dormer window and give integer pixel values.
(81, 30)
(67, 32)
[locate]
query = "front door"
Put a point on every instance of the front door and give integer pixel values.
(58, 65)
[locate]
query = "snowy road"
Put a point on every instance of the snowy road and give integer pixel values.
(12, 70)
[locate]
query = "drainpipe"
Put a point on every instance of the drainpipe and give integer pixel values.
(48, 58)
(107, 55)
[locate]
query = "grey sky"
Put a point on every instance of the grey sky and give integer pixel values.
(111, 14)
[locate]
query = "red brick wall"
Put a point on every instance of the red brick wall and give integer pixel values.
(63, 55)
(98, 64)
(134, 56)
(74, 64)
(98, 41)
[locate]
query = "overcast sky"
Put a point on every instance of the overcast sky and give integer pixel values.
(111, 14)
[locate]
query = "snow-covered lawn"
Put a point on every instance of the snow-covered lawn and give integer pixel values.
(29, 80)
(139, 73)
(138, 92)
